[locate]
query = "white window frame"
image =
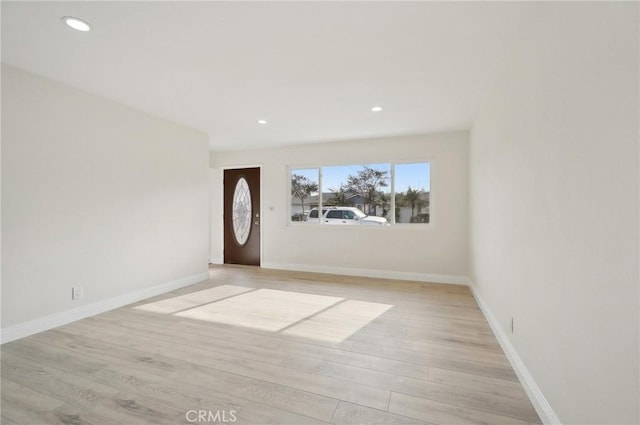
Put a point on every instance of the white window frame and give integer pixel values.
(392, 164)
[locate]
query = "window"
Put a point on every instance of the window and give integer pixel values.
(412, 189)
(366, 187)
(304, 193)
(374, 194)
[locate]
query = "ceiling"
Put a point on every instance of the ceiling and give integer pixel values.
(312, 69)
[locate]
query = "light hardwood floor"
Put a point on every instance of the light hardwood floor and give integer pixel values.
(270, 347)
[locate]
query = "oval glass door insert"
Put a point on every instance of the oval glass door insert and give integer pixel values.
(241, 211)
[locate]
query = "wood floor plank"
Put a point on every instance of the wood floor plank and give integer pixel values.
(274, 347)
(18, 396)
(254, 413)
(7, 421)
(478, 417)
(439, 413)
(350, 414)
(423, 409)
(68, 415)
(17, 415)
(460, 380)
(496, 404)
(39, 377)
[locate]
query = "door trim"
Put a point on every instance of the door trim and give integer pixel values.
(240, 167)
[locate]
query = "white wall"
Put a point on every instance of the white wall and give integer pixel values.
(439, 252)
(94, 194)
(554, 209)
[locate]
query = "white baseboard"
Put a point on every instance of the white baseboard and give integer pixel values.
(216, 260)
(540, 403)
(21, 330)
(383, 274)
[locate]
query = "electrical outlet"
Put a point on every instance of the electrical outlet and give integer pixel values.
(76, 292)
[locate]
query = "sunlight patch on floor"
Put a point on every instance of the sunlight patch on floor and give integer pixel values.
(193, 299)
(339, 322)
(264, 309)
(320, 317)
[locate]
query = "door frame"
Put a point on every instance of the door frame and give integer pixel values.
(240, 167)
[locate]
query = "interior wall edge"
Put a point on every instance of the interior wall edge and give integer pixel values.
(25, 329)
(537, 398)
(373, 273)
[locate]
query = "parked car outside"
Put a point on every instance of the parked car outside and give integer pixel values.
(300, 216)
(313, 214)
(346, 216)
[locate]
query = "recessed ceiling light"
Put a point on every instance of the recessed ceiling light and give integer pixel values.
(376, 109)
(262, 122)
(76, 23)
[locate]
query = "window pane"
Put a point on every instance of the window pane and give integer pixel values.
(304, 193)
(412, 190)
(366, 187)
